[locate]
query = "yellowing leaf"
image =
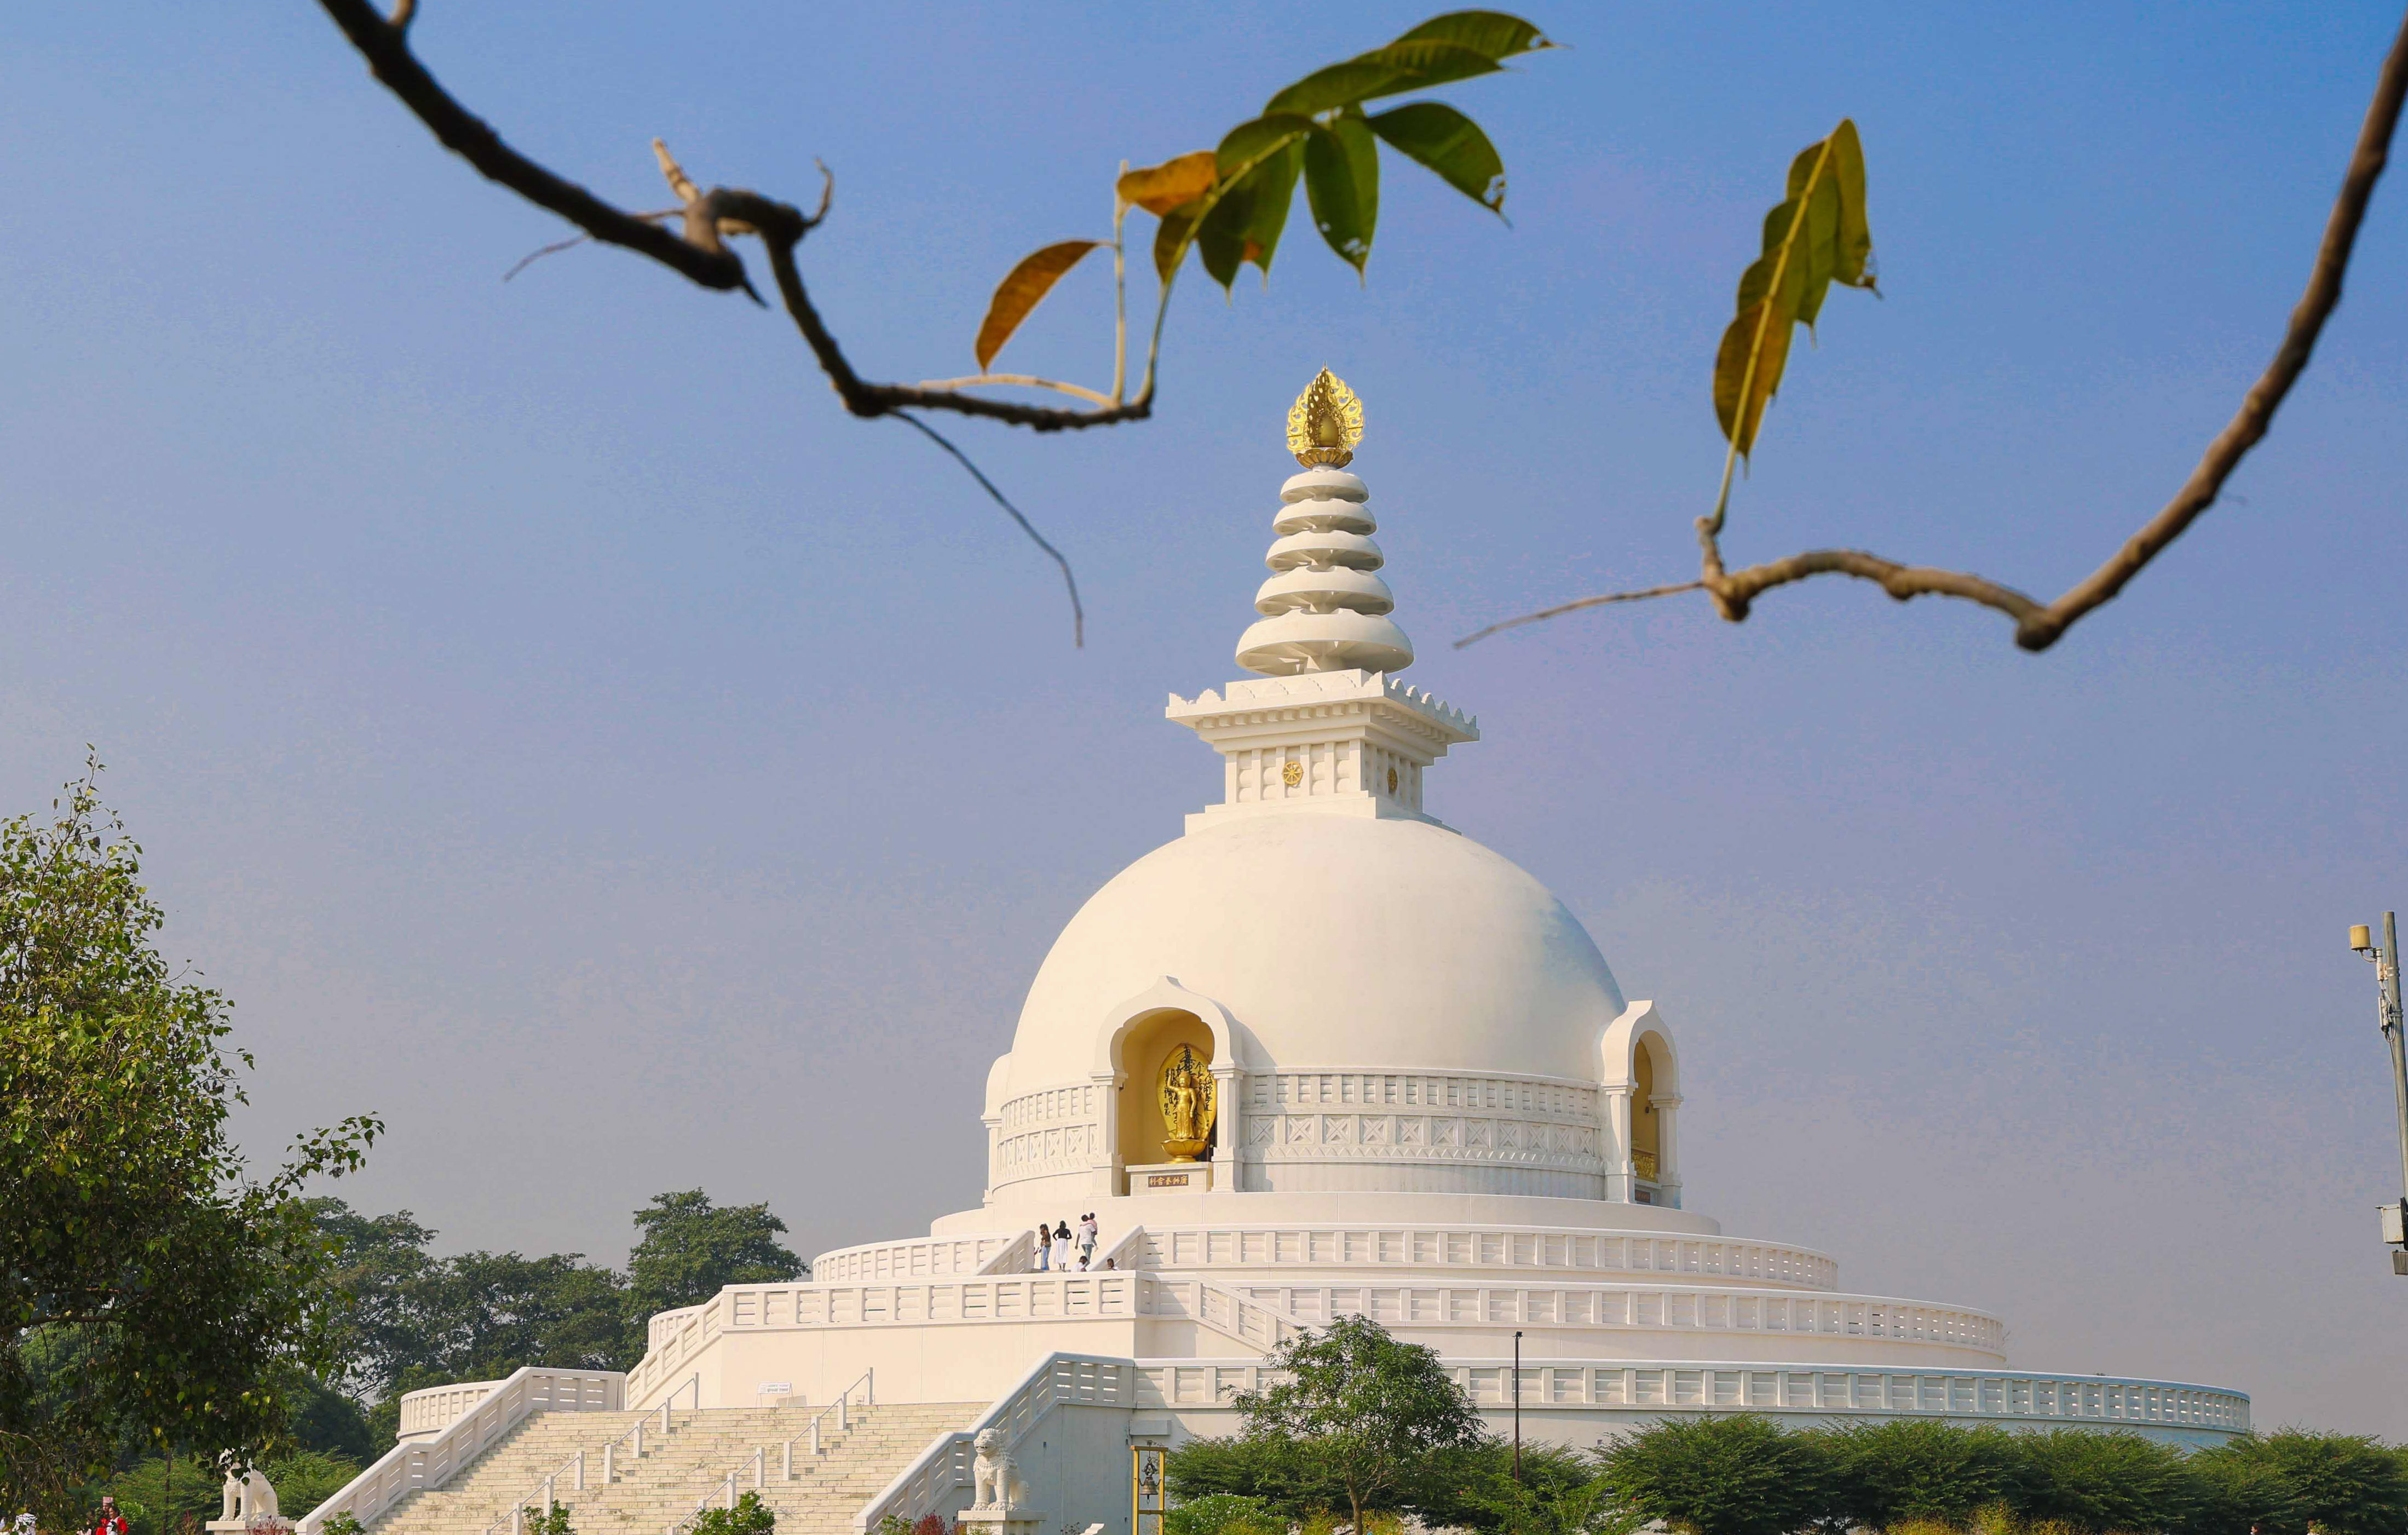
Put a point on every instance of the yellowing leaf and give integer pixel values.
(1022, 289)
(1815, 236)
(1158, 189)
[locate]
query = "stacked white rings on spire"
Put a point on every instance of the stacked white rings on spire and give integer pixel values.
(1323, 608)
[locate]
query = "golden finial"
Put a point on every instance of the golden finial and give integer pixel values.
(1325, 423)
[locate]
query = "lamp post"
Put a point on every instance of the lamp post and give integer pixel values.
(1517, 1407)
(2386, 956)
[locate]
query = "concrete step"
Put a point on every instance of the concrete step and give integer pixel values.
(678, 1468)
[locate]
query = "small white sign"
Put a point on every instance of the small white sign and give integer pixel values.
(777, 1388)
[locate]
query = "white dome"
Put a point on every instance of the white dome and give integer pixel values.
(1333, 941)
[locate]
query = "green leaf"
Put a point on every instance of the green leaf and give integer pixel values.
(1341, 179)
(1488, 31)
(1172, 236)
(1022, 289)
(1400, 65)
(1815, 236)
(1260, 162)
(1446, 141)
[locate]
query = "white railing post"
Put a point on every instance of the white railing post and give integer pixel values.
(607, 1450)
(518, 1521)
(786, 1462)
(664, 1415)
(869, 1387)
(581, 1470)
(758, 1477)
(547, 1496)
(841, 1421)
(638, 1437)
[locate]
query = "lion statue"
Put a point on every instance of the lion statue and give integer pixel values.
(995, 1474)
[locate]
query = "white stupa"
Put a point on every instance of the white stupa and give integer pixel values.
(1429, 1101)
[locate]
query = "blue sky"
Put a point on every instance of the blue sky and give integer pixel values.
(564, 731)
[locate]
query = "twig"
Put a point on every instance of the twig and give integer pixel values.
(572, 242)
(1561, 609)
(699, 255)
(2036, 625)
(1024, 380)
(1078, 613)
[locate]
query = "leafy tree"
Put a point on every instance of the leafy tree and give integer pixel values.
(2099, 1482)
(690, 1248)
(2344, 1483)
(380, 1263)
(1918, 1469)
(488, 1314)
(1368, 1409)
(153, 1284)
(1735, 1475)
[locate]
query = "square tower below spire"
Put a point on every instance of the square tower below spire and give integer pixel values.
(1331, 743)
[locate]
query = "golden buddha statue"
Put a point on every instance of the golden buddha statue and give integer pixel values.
(1187, 1104)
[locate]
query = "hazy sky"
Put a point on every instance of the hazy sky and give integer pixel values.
(564, 732)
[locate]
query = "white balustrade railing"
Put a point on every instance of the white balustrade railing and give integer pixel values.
(673, 1338)
(1683, 1308)
(1224, 1310)
(1707, 1258)
(607, 1460)
(999, 1297)
(1017, 1255)
(427, 1412)
(1060, 1379)
(925, 1258)
(2003, 1396)
(421, 1465)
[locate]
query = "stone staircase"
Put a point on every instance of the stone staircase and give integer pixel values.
(645, 1496)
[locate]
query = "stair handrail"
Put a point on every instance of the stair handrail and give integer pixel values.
(868, 1384)
(424, 1464)
(1015, 1256)
(1037, 1392)
(517, 1517)
(758, 1460)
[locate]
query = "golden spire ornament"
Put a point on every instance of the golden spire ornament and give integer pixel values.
(1325, 423)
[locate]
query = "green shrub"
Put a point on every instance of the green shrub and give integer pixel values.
(1736, 1476)
(1224, 1513)
(1274, 1471)
(1913, 1470)
(2343, 1483)
(554, 1523)
(2096, 1483)
(750, 1516)
(345, 1523)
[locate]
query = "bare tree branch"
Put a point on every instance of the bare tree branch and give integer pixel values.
(1078, 613)
(700, 254)
(2036, 625)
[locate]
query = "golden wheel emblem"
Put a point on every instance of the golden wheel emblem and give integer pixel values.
(1293, 774)
(1392, 781)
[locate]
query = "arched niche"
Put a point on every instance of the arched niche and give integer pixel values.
(1135, 1039)
(1640, 1075)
